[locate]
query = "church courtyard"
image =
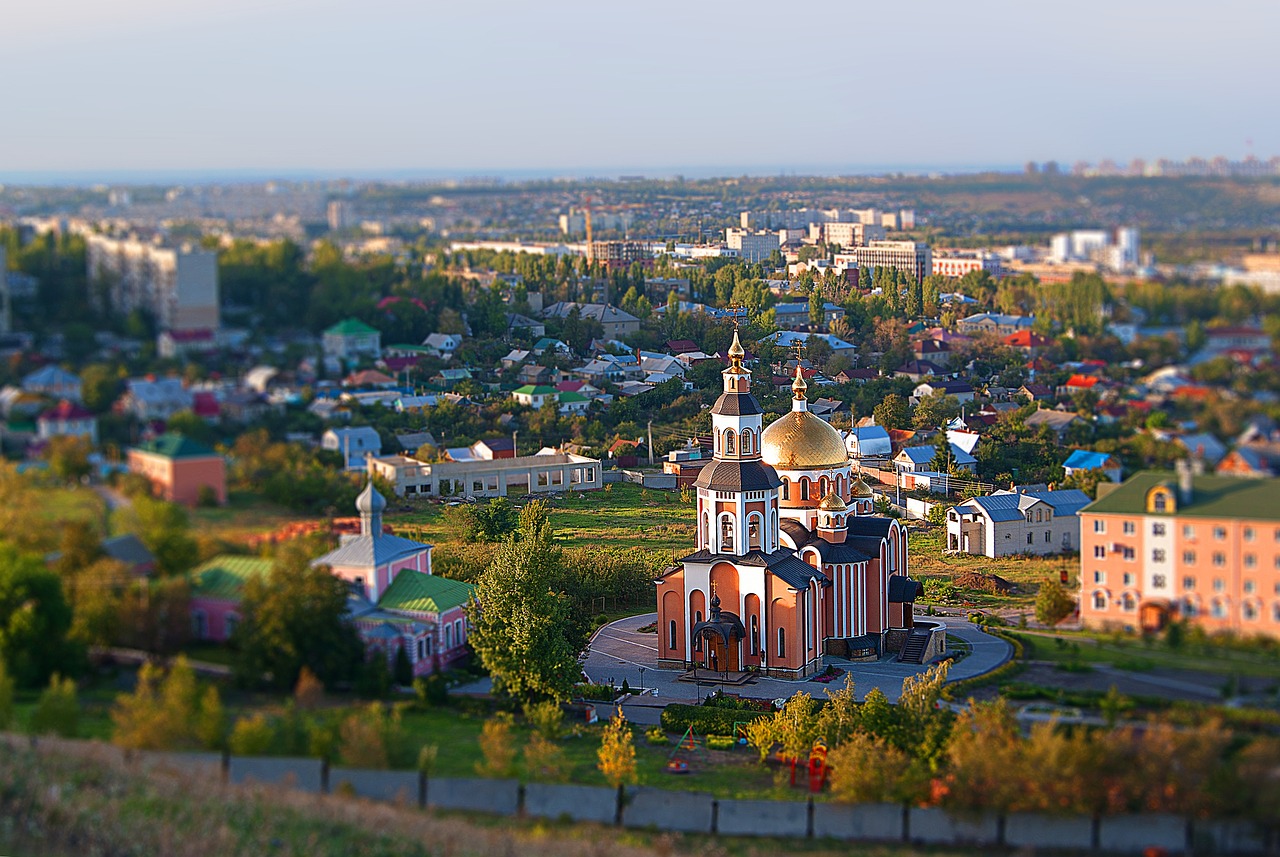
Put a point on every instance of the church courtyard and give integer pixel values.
(620, 650)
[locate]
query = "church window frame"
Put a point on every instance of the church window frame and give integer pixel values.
(726, 531)
(697, 640)
(747, 443)
(782, 643)
(730, 442)
(804, 487)
(786, 489)
(673, 635)
(755, 635)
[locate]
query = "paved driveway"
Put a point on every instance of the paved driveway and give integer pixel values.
(618, 651)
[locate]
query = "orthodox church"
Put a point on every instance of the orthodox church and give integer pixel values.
(790, 555)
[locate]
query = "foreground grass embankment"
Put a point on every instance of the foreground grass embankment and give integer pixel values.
(64, 800)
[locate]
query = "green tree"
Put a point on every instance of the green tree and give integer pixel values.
(293, 617)
(167, 711)
(68, 457)
(1053, 604)
(35, 621)
(521, 626)
(57, 710)
(891, 413)
(6, 697)
(165, 529)
(934, 410)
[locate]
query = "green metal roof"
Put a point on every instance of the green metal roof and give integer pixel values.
(174, 445)
(531, 390)
(351, 327)
(424, 593)
(224, 576)
(1211, 497)
(570, 398)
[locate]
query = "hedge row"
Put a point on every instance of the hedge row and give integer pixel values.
(705, 720)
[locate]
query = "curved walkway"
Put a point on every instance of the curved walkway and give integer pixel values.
(619, 651)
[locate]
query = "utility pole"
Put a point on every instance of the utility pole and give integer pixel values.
(515, 443)
(650, 443)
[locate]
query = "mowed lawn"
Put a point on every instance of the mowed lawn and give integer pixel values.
(927, 563)
(624, 516)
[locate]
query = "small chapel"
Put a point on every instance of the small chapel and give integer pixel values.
(790, 557)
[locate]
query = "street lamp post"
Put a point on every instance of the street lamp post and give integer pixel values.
(642, 681)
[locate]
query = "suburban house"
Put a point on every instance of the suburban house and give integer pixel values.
(617, 323)
(53, 382)
(919, 459)
(869, 445)
(1022, 521)
(353, 443)
(352, 339)
(1257, 460)
(180, 469)
(1082, 460)
(67, 419)
(534, 396)
(150, 399)
(573, 404)
(962, 390)
(443, 345)
(1058, 422)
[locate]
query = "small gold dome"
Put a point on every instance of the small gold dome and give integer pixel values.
(832, 503)
(801, 441)
(860, 488)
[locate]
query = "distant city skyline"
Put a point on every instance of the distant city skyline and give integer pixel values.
(392, 89)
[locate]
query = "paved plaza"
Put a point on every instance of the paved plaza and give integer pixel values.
(619, 651)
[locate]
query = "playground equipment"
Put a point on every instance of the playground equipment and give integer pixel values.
(689, 743)
(815, 770)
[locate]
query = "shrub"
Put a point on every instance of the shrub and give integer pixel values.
(657, 736)
(543, 760)
(597, 692)
(497, 746)
(721, 742)
(252, 736)
(546, 719)
(308, 693)
(57, 711)
(705, 720)
(431, 691)
(617, 753)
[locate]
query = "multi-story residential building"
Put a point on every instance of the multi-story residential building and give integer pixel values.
(547, 472)
(851, 234)
(178, 285)
(913, 257)
(752, 246)
(621, 255)
(1163, 546)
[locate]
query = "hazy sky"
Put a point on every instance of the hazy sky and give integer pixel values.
(374, 85)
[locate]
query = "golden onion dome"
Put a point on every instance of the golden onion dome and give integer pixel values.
(832, 503)
(801, 441)
(860, 488)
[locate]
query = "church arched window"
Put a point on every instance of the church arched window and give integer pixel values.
(729, 442)
(804, 488)
(746, 441)
(755, 635)
(786, 489)
(782, 643)
(672, 635)
(840, 485)
(697, 641)
(753, 532)
(822, 487)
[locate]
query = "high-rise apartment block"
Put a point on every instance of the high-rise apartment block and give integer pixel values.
(1184, 546)
(752, 246)
(178, 285)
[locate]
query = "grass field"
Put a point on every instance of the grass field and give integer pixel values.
(66, 505)
(1131, 653)
(624, 516)
(245, 515)
(929, 563)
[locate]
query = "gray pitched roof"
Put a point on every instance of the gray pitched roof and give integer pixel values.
(369, 551)
(1010, 506)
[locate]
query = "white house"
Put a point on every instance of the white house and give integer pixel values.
(962, 390)
(869, 444)
(1017, 522)
(534, 396)
(355, 444)
(443, 345)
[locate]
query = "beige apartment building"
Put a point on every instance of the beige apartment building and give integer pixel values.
(178, 285)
